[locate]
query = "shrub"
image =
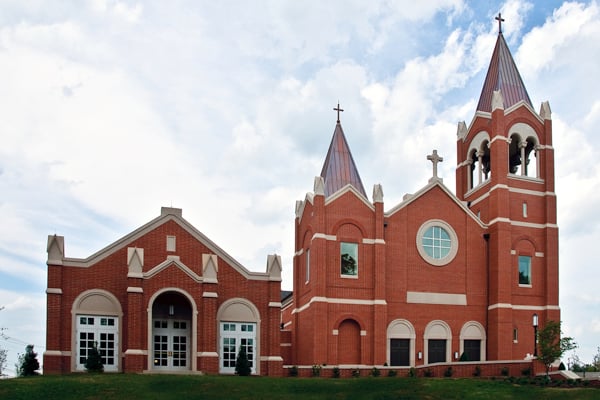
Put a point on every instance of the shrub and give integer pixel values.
(375, 372)
(448, 372)
(242, 365)
(28, 363)
(464, 357)
(428, 372)
(294, 371)
(526, 371)
(561, 367)
(356, 373)
(316, 370)
(477, 371)
(412, 372)
(392, 373)
(504, 371)
(336, 372)
(93, 363)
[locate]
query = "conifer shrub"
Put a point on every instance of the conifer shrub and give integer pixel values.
(242, 365)
(28, 364)
(93, 363)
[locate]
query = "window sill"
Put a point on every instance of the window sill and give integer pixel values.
(525, 286)
(349, 276)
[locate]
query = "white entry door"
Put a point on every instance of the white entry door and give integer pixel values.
(171, 344)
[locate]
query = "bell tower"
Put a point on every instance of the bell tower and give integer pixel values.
(505, 174)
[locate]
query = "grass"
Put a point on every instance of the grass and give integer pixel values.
(164, 387)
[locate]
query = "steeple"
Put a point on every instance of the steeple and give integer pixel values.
(339, 168)
(504, 76)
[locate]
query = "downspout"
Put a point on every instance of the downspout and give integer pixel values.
(486, 237)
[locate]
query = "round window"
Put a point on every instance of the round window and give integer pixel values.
(437, 242)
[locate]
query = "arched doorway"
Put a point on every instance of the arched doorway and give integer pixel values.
(171, 332)
(349, 343)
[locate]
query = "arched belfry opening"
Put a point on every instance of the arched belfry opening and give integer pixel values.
(480, 161)
(522, 156)
(171, 332)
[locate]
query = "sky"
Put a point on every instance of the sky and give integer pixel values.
(111, 109)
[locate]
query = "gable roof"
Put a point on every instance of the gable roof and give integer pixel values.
(167, 214)
(503, 76)
(339, 168)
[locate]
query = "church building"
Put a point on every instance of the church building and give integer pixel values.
(439, 277)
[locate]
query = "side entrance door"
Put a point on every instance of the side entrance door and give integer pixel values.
(171, 344)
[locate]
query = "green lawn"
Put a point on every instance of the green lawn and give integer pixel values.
(164, 387)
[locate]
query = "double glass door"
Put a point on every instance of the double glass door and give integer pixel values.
(171, 344)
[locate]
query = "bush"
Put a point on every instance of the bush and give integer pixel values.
(94, 361)
(356, 373)
(242, 365)
(28, 363)
(336, 372)
(477, 371)
(428, 373)
(375, 372)
(464, 357)
(294, 371)
(562, 367)
(412, 372)
(316, 370)
(392, 373)
(526, 371)
(448, 372)
(504, 371)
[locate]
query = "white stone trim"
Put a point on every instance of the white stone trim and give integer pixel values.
(323, 236)
(275, 304)
(363, 333)
(271, 358)
(523, 307)
(136, 352)
(57, 353)
(319, 299)
(335, 332)
(207, 354)
(54, 291)
(539, 254)
(135, 289)
(373, 241)
(210, 294)
(455, 299)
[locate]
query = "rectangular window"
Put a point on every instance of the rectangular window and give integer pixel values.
(307, 265)
(524, 210)
(170, 243)
(349, 259)
(515, 335)
(524, 270)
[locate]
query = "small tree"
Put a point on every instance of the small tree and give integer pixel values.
(28, 363)
(242, 365)
(3, 352)
(94, 361)
(551, 346)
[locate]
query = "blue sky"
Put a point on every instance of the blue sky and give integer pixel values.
(112, 109)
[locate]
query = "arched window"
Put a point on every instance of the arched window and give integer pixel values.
(97, 320)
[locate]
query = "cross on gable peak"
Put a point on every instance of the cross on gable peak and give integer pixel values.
(435, 159)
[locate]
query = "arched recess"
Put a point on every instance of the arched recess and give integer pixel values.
(172, 319)
(479, 160)
(473, 341)
(97, 318)
(349, 342)
(401, 343)
(238, 323)
(523, 149)
(438, 342)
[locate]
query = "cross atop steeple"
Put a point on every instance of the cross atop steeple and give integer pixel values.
(435, 159)
(338, 109)
(500, 21)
